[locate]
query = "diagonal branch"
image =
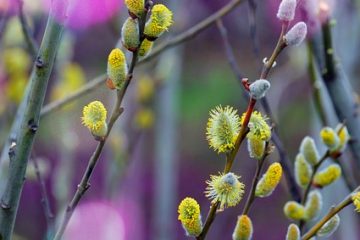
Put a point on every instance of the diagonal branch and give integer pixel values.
(185, 36)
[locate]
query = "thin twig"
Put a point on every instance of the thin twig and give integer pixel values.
(308, 187)
(30, 41)
(49, 216)
(244, 128)
(185, 36)
(251, 196)
(334, 210)
(84, 183)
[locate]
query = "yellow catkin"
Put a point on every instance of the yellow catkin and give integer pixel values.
(258, 126)
(343, 135)
(135, 6)
(94, 118)
(189, 215)
(222, 128)
(145, 48)
(144, 118)
(329, 138)
(256, 148)
(328, 175)
(269, 180)
(294, 210)
(303, 171)
(243, 229)
(159, 22)
(313, 205)
(309, 150)
(329, 227)
(117, 67)
(356, 201)
(226, 189)
(130, 36)
(293, 232)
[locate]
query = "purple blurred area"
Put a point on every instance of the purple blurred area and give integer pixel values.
(126, 200)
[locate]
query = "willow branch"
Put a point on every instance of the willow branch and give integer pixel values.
(179, 39)
(284, 160)
(333, 211)
(30, 120)
(281, 44)
(84, 184)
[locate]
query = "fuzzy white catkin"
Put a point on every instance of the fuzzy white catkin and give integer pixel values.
(259, 88)
(296, 35)
(286, 10)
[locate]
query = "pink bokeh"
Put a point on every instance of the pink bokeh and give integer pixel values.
(94, 221)
(85, 13)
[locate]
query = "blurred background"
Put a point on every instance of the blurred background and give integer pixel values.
(157, 153)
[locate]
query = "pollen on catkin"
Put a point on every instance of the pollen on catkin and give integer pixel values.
(159, 22)
(286, 11)
(302, 171)
(189, 215)
(145, 48)
(136, 7)
(243, 229)
(296, 35)
(309, 150)
(256, 148)
(223, 128)
(343, 135)
(356, 201)
(130, 36)
(313, 205)
(329, 227)
(328, 175)
(259, 88)
(269, 180)
(329, 138)
(225, 189)
(94, 118)
(258, 126)
(293, 232)
(294, 210)
(117, 67)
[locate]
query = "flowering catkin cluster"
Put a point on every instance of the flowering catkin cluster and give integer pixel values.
(189, 215)
(335, 139)
(225, 189)
(117, 68)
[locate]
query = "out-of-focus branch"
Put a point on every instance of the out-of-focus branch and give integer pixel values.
(30, 41)
(49, 216)
(185, 36)
(20, 151)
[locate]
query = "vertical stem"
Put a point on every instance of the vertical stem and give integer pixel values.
(251, 196)
(29, 125)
